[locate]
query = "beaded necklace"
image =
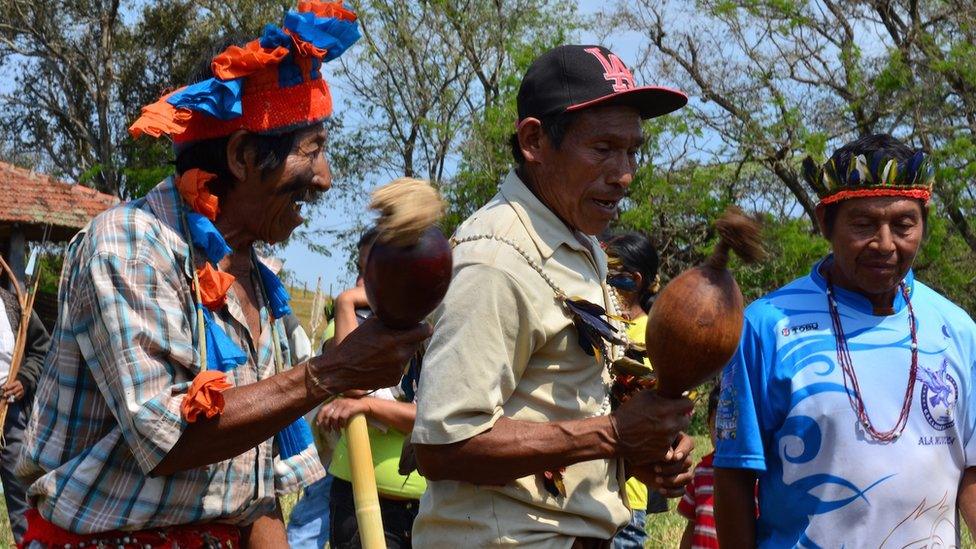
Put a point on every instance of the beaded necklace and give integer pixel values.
(611, 351)
(552, 480)
(854, 391)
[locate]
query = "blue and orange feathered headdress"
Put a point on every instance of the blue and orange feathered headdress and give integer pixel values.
(270, 84)
(875, 176)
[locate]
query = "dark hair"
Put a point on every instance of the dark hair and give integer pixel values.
(368, 237)
(366, 240)
(270, 149)
(555, 126)
(713, 398)
(638, 255)
(882, 143)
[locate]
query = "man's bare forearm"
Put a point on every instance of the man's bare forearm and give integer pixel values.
(370, 357)
(514, 449)
(252, 414)
(267, 532)
(735, 508)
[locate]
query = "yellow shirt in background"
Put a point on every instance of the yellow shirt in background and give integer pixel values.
(386, 449)
(636, 490)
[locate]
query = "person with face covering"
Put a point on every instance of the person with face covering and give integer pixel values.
(633, 278)
(169, 412)
(851, 398)
(514, 431)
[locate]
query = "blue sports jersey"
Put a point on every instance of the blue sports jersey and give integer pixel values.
(784, 412)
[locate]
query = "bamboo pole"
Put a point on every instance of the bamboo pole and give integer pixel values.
(364, 484)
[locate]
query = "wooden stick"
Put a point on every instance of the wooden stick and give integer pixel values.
(20, 344)
(364, 484)
(13, 278)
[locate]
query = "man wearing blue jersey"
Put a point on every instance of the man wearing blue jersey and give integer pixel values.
(851, 395)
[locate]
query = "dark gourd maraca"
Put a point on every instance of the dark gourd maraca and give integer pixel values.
(695, 324)
(409, 265)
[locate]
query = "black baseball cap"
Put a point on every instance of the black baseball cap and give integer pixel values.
(574, 77)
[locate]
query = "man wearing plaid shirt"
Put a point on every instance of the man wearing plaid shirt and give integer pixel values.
(114, 457)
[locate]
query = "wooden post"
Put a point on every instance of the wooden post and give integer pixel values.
(364, 491)
(17, 255)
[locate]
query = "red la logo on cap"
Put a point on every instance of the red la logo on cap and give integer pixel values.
(614, 70)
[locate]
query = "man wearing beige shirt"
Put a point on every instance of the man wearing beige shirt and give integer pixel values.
(508, 391)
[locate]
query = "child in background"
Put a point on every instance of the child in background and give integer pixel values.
(632, 274)
(696, 505)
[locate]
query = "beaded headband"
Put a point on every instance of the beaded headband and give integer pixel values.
(879, 176)
(270, 84)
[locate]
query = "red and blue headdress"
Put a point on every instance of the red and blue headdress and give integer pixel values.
(271, 84)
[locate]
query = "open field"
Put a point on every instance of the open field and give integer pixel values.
(301, 305)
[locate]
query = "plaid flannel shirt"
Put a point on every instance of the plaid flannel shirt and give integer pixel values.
(123, 355)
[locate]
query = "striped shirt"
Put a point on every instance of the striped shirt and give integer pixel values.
(697, 505)
(122, 356)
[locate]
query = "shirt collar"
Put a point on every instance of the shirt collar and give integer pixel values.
(856, 300)
(547, 231)
(166, 204)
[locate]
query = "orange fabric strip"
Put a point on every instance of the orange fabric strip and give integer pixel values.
(326, 9)
(205, 397)
(161, 118)
(192, 185)
(306, 48)
(214, 285)
(237, 62)
(908, 192)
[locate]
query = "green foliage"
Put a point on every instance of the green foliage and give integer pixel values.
(782, 79)
(946, 264)
(485, 154)
(791, 250)
(50, 264)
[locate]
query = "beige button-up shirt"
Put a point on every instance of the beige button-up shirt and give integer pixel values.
(504, 346)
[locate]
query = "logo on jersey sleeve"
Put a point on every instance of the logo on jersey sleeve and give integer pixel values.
(726, 415)
(939, 394)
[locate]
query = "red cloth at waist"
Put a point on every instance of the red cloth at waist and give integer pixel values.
(188, 536)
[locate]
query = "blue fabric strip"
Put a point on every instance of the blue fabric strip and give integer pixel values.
(222, 352)
(273, 37)
(294, 438)
(218, 98)
(332, 34)
(278, 298)
(289, 73)
(206, 237)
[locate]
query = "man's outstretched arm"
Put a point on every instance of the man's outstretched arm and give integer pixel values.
(371, 357)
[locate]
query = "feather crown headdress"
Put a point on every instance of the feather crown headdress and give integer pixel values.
(877, 175)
